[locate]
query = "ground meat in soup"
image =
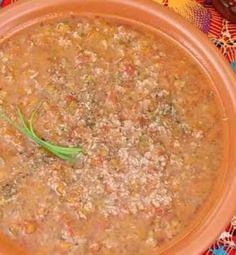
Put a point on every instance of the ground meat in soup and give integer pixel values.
(149, 123)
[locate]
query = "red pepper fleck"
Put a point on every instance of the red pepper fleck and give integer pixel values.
(151, 169)
(83, 59)
(114, 97)
(130, 69)
(108, 188)
(106, 128)
(162, 210)
(143, 121)
(70, 98)
(97, 161)
(68, 223)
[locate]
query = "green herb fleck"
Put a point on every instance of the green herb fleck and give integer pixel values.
(26, 127)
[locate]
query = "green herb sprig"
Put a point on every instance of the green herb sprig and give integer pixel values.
(26, 127)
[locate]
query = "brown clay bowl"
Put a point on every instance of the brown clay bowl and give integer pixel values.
(221, 206)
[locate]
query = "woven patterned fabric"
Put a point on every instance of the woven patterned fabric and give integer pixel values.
(223, 34)
(201, 13)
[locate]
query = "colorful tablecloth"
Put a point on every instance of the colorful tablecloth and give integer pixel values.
(201, 13)
(223, 34)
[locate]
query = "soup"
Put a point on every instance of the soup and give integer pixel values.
(148, 121)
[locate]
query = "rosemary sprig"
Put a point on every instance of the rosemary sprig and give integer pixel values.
(26, 127)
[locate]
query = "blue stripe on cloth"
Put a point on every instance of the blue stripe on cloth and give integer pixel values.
(234, 65)
(219, 251)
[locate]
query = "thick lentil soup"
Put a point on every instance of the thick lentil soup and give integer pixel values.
(146, 117)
